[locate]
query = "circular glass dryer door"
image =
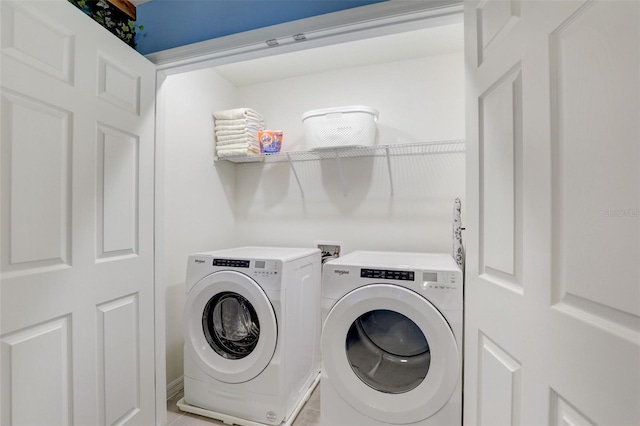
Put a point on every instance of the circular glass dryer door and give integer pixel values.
(230, 327)
(390, 353)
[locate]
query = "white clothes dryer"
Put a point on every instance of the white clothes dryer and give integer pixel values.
(392, 340)
(252, 325)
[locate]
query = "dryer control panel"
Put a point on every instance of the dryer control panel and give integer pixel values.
(232, 263)
(386, 274)
(439, 280)
(255, 268)
(266, 268)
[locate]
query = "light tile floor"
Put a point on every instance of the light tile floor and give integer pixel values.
(308, 416)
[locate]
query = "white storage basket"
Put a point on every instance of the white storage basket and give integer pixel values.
(340, 127)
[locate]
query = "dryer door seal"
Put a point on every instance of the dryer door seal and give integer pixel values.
(401, 367)
(230, 327)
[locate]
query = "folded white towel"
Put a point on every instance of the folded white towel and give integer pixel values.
(252, 145)
(241, 139)
(234, 114)
(236, 141)
(239, 122)
(234, 136)
(242, 132)
(239, 128)
(236, 152)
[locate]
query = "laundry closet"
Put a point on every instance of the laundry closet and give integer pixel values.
(398, 196)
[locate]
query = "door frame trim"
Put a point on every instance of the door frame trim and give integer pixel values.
(338, 27)
(394, 16)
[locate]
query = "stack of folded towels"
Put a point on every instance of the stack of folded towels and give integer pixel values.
(236, 132)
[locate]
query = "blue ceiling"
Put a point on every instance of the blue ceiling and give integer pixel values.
(173, 23)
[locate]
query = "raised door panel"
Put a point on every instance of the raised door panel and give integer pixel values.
(565, 414)
(500, 144)
(36, 174)
(117, 189)
(596, 178)
(37, 42)
(119, 360)
(37, 375)
(119, 87)
(499, 385)
(495, 20)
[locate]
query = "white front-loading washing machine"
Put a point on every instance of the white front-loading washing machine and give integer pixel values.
(391, 340)
(252, 325)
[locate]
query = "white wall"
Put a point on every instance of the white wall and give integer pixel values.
(211, 206)
(418, 100)
(198, 198)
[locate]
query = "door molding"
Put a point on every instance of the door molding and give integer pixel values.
(394, 16)
(338, 27)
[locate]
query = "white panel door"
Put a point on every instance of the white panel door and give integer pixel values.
(77, 295)
(553, 189)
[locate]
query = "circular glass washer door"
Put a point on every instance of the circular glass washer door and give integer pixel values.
(390, 354)
(230, 327)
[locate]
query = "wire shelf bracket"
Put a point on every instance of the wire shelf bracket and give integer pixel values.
(293, 169)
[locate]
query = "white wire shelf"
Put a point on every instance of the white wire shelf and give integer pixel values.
(388, 151)
(396, 150)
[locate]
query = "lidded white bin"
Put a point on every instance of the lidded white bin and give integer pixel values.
(340, 127)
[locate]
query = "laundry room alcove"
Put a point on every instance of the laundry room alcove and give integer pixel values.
(397, 195)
